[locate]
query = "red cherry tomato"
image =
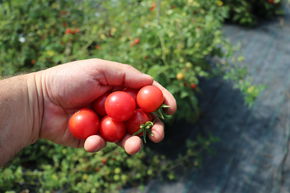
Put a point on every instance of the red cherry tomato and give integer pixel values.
(137, 41)
(153, 6)
(68, 31)
(131, 92)
(120, 105)
(139, 117)
(99, 105)
(193, 86)
(112, 130)
(84, 123)
(150, 98)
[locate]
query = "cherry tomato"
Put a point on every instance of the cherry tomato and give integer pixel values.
(99, 105)
(104, 161)
(68, 31)
(84, 123)
(98, 47)
(180, 76)
(193, 86)
(150, 98)
(120, 105)
(135, 42)
(153, 6)
(112, 130)
(131, 92)
(138, 118)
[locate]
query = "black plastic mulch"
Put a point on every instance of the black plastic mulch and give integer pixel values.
(253, 154)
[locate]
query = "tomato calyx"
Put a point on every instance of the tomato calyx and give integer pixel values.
(145, 129)
(160, 112)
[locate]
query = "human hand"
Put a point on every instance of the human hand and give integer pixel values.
(66, 88)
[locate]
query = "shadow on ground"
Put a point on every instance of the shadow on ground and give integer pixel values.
(211, 114)
(253, 147)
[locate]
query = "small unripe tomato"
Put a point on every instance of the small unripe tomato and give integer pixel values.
(179, 76)
(188, 65)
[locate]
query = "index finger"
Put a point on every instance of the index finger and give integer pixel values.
(168, 98)
(118, 74)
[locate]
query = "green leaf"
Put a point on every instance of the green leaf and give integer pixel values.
(156, 70)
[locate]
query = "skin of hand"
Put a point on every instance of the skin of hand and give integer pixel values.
(48, 98)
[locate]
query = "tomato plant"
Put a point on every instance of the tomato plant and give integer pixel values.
(249, 12)
(150, 98)
(120, 105)
(84, 123)
(112, 130)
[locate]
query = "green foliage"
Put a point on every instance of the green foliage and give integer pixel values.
(248, 13)
(55, 167)
(176, 41)
(162, 39)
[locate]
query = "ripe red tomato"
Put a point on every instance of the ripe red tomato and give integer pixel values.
(153, 6)
(99, 105)
(131, 92)
(135, 42)
(104, 161)
(139, 117)
(120, 105)
(112, 130)
(193, 86)
(98, 47)
(150, 98)
(68, 31)
(84, 123)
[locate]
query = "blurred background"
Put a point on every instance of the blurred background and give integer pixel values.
(225, 61)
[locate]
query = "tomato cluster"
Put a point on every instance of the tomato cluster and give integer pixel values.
(115, 114)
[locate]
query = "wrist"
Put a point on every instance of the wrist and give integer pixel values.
(21, 113)
(35, 103)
